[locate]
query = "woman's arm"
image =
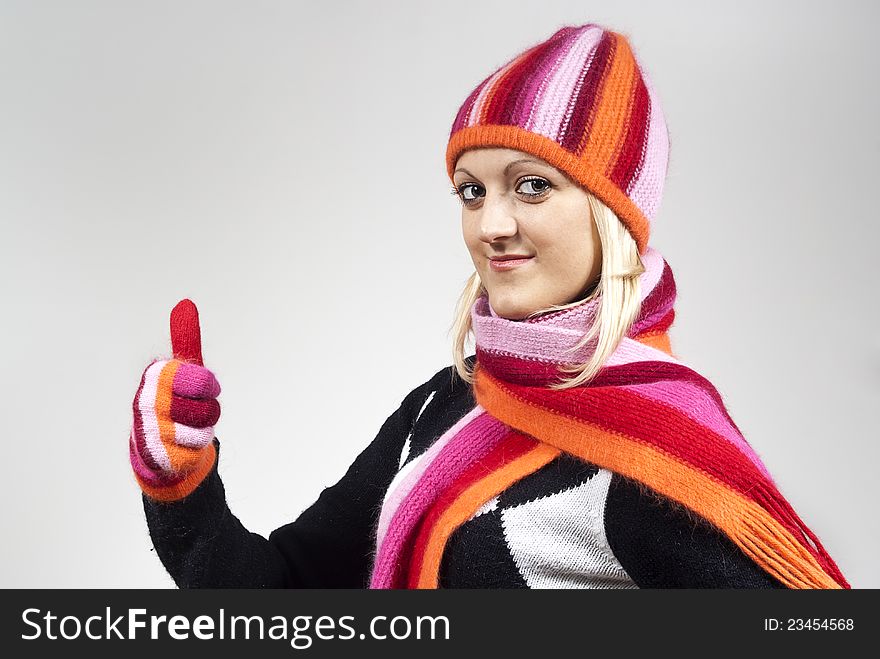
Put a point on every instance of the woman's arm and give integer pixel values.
(203, 545)
(662, 545)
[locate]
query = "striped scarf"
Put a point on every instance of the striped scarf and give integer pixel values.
(645, 416)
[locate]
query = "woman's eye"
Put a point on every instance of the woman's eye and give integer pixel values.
(465, 192)
(539, 186)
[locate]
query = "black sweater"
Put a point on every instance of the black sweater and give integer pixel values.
(617, 533)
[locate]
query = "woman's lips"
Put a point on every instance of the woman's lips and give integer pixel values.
(500, 266)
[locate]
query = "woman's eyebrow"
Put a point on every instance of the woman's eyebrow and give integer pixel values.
(506, 168)
(521, 160)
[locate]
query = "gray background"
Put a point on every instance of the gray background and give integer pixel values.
(282, 165)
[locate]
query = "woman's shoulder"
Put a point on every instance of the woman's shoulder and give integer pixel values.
(439, 403)
(445, 383)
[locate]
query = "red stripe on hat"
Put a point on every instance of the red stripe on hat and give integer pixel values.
(634, 144)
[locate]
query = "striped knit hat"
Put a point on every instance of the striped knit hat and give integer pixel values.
(582, 102)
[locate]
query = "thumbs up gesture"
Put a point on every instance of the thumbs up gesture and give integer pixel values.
(174, 412)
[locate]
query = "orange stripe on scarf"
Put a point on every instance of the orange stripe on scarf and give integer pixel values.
(747, 524)
(470, 500)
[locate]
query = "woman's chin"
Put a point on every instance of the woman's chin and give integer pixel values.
(511, 309)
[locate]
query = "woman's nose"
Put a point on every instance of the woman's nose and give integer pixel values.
(496, 220)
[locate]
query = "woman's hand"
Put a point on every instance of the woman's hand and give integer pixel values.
(174, 413)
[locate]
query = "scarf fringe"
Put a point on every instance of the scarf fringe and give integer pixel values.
(805, 538)
(780, 556)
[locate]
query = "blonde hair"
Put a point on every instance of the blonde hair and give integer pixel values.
(617, 288)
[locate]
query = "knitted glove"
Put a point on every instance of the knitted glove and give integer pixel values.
(171, 442)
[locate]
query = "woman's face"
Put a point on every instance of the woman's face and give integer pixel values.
(515, 204)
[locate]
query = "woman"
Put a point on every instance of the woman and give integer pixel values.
(573, 449)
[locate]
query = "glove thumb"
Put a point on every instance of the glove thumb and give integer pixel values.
(186, 336)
